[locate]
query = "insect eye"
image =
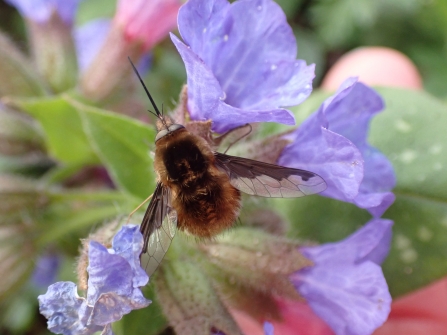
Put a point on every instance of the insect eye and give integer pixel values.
(161, 133)
(164, 132)
(174, 127)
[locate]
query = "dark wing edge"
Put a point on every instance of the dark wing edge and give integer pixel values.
(268, 180)
(158, 228)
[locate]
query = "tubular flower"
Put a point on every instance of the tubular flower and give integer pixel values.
(115, 278)
(88, 39)
(147, 21)
(40, 11)
(49, 24)
(241, 64)
(335, 134)
(137, 26)
(346, 287)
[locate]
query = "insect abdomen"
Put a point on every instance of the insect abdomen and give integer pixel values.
(212, 209)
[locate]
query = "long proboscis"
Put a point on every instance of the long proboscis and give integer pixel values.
(158, 114)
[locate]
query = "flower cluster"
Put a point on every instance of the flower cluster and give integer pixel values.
(101, 46)
(241, 66)
(115, 278)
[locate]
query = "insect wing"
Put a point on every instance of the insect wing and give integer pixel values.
(269, 180)
(158, 228)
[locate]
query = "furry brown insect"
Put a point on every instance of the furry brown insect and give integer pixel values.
(205, 201)
(198, 190)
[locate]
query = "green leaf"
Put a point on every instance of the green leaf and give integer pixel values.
(65, 137)
(411, 132)
(122, 145)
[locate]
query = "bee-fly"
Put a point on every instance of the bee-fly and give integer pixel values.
(198, 190)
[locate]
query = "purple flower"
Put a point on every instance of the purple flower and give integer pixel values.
(332, 142)
(41, 10)
(268, 328)
(346, 286)
(46, 270)
(240, 62)
(115, 278)
(89, 39)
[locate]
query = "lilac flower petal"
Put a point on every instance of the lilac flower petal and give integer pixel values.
(107, 273)
(375, 203)
(346, 286)
(370, 243)
(248, 42)
(268, 328)
(89, 39)
(41, 10)
(67, 313)
(111, 307)
(352, 300)
(328, 154)
(349, 114)
(248, 52)
(205, 97)
(128, 243)
(114, 284)
(115, 276)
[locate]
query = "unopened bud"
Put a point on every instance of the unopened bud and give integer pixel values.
(190, 302)
(108, 75)
(19, 77)
(257, 259)
(54, 52)
(137, 26)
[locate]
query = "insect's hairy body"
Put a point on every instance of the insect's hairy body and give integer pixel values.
(198, 190)
(205, 201)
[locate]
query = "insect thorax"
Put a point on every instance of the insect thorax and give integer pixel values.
(184, 161)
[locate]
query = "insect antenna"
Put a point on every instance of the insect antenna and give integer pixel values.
(157, 112)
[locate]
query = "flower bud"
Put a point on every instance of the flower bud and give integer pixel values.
(19, 77)
(49, 25)
(189, 301)
(137, 26)
(256, 259)
(54, 52)
(147, 21)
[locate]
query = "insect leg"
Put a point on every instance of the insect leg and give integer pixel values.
(139, 206)
(221, 138)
